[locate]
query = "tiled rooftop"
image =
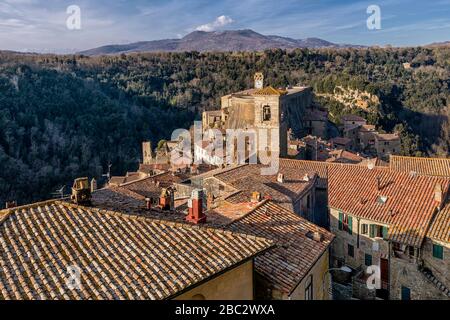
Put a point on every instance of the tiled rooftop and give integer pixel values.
(440, 227)
(119, 256)
(289, 262)
(426, 166)
(410, 203)
(248, 179)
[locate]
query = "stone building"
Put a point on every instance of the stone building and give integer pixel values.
(381, 217)
(387, 144)
(292, 189)
(365, 138)
(296, 268)
(263, 107)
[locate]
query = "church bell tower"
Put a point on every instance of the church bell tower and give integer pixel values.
(259, 80)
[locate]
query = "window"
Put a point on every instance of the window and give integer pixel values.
(309, 289)
(364, 228)
(345, 222)
(438, 251)
(411, 251)
(266, 113)
(406, 293)
(351, 250)
(377, 231)
(308, 202)
(368, 259)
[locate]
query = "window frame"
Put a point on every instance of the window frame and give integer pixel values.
(266, 111)
(438, 251)
(309, 289)
(368, 257)
(352, 250)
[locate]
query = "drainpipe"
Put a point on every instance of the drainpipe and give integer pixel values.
(357, 236)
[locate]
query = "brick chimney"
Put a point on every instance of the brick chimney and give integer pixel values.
(11, 204)
(148, 203)
(256, 196)
(166, 199)
(196, 214)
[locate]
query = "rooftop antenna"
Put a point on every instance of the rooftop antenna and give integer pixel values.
(59, 192)
(108, 174)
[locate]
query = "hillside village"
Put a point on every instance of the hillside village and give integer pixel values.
(341, 202)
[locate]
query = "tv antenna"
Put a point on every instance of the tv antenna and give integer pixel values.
(108, 174)
(59, 192)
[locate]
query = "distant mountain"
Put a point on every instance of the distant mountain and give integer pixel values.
(439, 44)
(234, 40)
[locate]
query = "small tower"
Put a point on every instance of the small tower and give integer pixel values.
(259, 80)
(147, 154)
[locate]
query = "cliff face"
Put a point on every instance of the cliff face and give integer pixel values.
(353, 98)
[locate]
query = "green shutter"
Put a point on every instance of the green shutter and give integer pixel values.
(438, 251)
(350, 225)
(368, 259)
(372, 231)
(406, 293)
(385, 232)
(341, 218)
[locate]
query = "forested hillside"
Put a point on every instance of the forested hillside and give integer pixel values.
(68, 116)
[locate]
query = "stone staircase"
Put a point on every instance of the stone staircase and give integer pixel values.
(429, 275)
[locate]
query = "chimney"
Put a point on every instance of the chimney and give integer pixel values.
(280, 178)
(148, 203)
(196, 214)
(93, 185)
(317, 236)
(256, 196)
(11, 204)
(166, 199)
(378, 183)
(438, 193)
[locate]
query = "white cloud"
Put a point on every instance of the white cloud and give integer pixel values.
(216, 24)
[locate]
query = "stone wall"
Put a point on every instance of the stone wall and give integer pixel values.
(440, 268)
(407, 274)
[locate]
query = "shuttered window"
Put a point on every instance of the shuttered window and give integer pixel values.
(406, 293)
(372, 231)
(438, 251)
(350, 225)
(364, 228)
(385, 232)
(368, 259)
(341, 218)
(351, 250)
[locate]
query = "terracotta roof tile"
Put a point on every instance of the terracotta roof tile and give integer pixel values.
(440, 227)
(285, 265)
(410, 203)
(269, 91)
(248, 178)
(426, 166)
(118, 256)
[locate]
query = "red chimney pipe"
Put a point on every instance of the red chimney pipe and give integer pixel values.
(148, 203)
(196, 214)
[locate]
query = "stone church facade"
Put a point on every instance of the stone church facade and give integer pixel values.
(263, 107)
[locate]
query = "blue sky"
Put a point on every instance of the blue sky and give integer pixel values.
(40, 25)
